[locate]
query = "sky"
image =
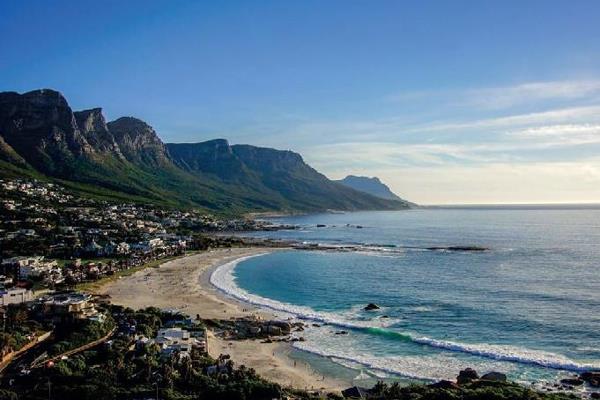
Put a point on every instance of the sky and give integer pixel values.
(447, 102)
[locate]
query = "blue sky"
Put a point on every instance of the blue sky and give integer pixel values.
(448, 102)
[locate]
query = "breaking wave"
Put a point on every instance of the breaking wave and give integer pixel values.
(222, 278)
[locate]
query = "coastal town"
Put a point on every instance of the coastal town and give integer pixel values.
(52, 239)
(62, 340)
(54, 243)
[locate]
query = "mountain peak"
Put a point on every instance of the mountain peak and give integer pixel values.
(131, 126)
(138, 141)
(93, 127)
(40, 126)
(38, 97)
(373, 179)
(371, 185)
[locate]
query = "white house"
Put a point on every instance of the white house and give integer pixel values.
(176, 339)
(36, 270)
(15, 296)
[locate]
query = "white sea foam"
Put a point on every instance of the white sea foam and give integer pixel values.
(223, 279)
(352, 352)
(422, 309)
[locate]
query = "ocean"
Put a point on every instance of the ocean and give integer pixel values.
(528, 306)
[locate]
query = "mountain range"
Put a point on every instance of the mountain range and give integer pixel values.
(42, 137)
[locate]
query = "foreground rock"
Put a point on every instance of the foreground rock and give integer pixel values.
(494, 376)
(466, 376)
(572, 381)
(591, 377)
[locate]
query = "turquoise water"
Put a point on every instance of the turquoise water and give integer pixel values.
(529, 306)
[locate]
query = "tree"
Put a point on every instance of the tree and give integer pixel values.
(7, 343)
(16, 316)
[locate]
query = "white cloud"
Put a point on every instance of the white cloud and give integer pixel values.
(560, 115)
(503, 97)
(531, 92)
(560, 135)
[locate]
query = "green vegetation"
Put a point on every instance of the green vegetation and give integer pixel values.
(17, 329)
(122, 369)
(79, 334)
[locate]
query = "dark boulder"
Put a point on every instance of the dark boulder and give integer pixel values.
(494, 376)
(355, 392)
(591, 377)
(467, 375)
(572, 381)
(371, 307)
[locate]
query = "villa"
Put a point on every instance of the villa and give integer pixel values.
(173, 340)
(68, 306)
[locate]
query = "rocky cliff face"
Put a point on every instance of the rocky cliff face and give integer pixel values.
(262, 158)
(93, 127)
(211, 157)
(40, 126)
(138, 142)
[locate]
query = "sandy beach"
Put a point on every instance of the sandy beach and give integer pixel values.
(183, 284)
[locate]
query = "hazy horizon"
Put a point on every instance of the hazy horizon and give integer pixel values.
(446, 102)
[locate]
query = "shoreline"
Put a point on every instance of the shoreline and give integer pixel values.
(184, 285)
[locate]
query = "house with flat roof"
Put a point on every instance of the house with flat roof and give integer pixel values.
(15, 296)
(179, 340)
(68, 306)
